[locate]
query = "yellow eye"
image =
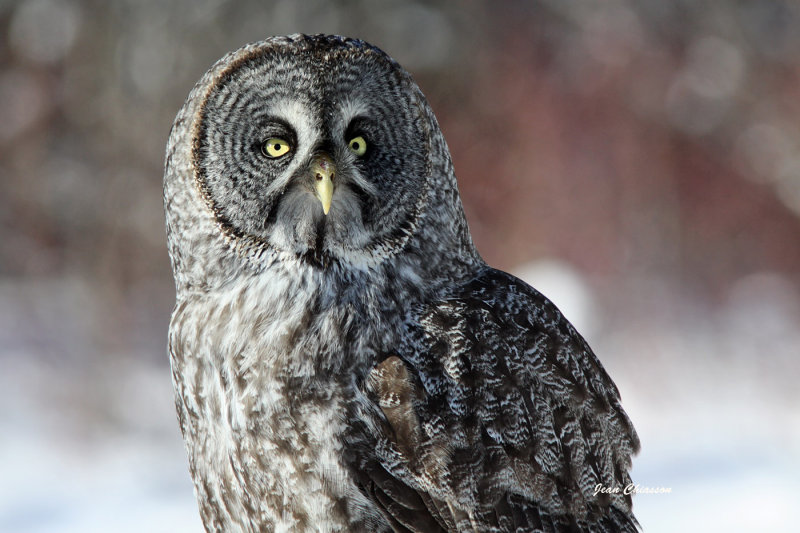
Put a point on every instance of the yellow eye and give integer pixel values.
(275, 147)
(358, 145)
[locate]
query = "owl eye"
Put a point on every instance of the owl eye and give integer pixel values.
(275, 147)
(358, 145)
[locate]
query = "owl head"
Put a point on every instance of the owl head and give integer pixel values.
(317, 149)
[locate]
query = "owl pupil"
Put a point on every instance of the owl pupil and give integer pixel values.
(277, 146)
(355, 146)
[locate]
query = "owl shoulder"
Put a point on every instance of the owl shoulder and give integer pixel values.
(522, 405)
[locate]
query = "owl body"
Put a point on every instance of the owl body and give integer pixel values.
(343, 360)
(265, 414)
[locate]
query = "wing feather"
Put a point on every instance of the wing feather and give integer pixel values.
(501, 418)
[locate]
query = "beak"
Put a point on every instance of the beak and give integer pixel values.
(323, 171)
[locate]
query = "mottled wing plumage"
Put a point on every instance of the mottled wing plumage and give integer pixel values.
(520, 415)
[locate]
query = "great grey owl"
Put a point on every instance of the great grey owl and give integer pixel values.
(343, 360)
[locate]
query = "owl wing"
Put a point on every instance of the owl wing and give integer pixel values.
(498, 417)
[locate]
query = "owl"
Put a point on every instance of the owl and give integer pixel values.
(342, 357)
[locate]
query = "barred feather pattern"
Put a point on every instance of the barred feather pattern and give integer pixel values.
(515, 420)
(364, 370)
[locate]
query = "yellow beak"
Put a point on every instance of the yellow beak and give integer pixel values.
(323, 171)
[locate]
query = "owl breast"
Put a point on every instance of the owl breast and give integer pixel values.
(263, 381)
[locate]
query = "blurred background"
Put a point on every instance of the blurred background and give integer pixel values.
(637, 161)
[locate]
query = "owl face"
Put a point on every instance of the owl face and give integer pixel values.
(320, 150)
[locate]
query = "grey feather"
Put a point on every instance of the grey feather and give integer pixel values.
(364, 370)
